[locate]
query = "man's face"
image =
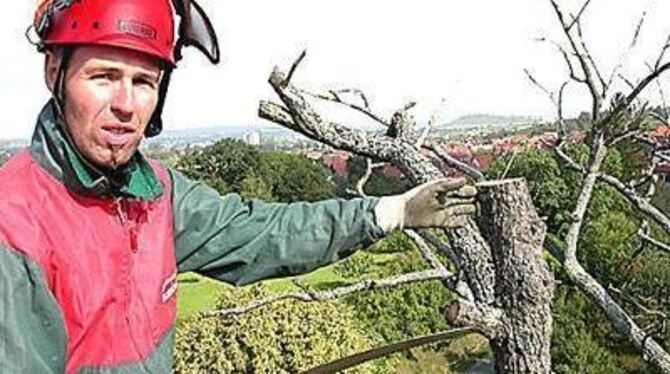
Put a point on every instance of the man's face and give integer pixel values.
(110, 95)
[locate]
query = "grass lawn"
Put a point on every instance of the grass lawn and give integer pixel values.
(197, 293)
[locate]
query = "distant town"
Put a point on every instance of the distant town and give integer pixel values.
(474, 139)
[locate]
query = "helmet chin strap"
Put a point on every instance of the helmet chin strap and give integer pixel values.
(58, 91)
(155, 125)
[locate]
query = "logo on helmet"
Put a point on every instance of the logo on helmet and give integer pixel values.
(137, 29)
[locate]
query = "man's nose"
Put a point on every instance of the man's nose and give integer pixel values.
(123, 102)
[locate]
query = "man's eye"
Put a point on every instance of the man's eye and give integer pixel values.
(145, 82)
(102, 76)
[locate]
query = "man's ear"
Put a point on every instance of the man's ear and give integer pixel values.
(51, 64)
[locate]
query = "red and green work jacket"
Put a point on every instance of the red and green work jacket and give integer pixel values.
(88, 261)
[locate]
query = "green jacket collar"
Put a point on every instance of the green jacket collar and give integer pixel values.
(54, 151)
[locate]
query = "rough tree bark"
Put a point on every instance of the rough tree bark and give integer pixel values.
(524, 286)
(509, 288)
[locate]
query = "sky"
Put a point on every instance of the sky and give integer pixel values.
(451, 57)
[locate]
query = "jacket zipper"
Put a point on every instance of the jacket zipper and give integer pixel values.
(131, 230)
(125, 269)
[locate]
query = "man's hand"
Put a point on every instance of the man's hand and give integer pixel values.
(440, 203)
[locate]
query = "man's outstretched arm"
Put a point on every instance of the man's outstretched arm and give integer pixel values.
(242, 242)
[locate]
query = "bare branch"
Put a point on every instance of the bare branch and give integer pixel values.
(452, 283)
(621, 321)
(577, 18)
(355, 91)
(425, 251)
(562, 127)
(646, 139)
(279, 114)
(627, 134)
(662, 156)
(424, 135)
(337, 99)
(582, 56)
(558, 103)
(534, 81)
(365, 285)
(638, 29)
(592, 63)
(642, 233)
(455, 163)
(633, 43)
(297, 62)
(661, 55)
(369, 167)
(439, 245)
(567, 159)
(661, 95)
(431, 123)
(598, 155)
(647, 177)
(645, 82)
(566, 58)
(637, 304)
(628, 82)
(508, 166)
(642, 204)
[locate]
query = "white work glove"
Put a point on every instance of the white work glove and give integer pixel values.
(440, 203)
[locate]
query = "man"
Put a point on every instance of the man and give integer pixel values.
(92, 234)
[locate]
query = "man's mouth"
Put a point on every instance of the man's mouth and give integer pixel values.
(117, 135)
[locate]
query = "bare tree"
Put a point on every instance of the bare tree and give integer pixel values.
(506, 290)
(615, 117)
(503, 286)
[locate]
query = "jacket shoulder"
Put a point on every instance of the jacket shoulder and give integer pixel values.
(20, 196)
(14, 167)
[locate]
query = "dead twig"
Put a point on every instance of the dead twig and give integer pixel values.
(311, 296)
(643, 233)
(335, 97)
(297, 62)
(455, 163)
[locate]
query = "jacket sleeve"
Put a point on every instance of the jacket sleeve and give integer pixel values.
(242, 242)
(32, 331)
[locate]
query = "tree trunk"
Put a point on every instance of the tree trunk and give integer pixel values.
(524, 286)
(510, 288)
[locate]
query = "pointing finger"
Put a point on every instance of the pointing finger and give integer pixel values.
(449, 184)
(463, 210)
(465, 191)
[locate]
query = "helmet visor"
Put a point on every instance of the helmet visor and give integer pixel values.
(196, 30)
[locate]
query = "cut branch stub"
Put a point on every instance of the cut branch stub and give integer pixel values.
(524, 285)
(403, 127)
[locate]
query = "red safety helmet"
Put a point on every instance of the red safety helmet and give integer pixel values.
(145, 26)
(142, 25)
